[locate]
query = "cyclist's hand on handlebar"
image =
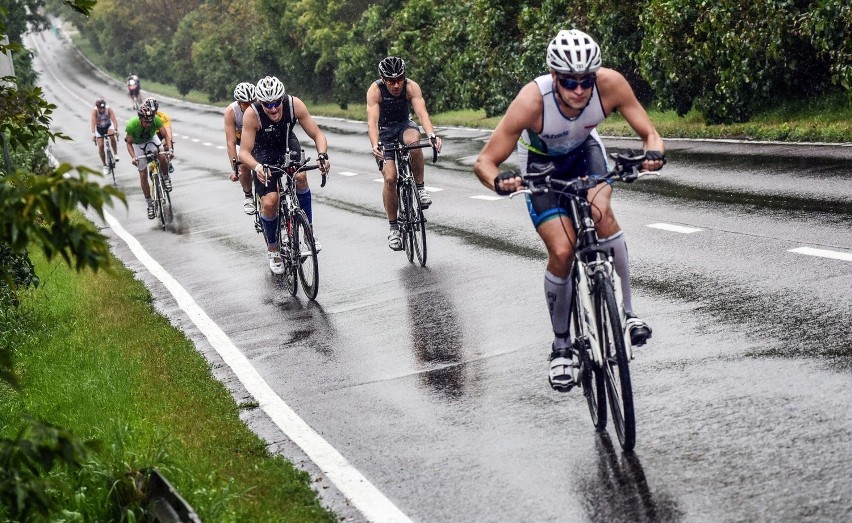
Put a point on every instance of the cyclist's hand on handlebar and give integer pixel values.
(323, 163)
(654, 161)
(435, 141)
(507, 182)
(378, 151)
(134, 161)
(262, 174)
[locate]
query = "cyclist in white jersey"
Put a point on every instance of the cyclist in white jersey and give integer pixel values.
(104, 124)
(243, 98)
(553, 119)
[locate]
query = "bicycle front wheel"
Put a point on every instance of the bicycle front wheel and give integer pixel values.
(111, 163)
(306, 254)
(286, 224)
(592, 377)
(616, 371)
(404, 218)
(417, 223)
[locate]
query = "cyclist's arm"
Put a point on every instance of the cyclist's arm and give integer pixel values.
(418, 104)
(114, 119)
(128, 139)
(374, 98)
(231, 135)
(525, 112)
(618, 95)
(94, 122)
(251, 124)
(310, 126)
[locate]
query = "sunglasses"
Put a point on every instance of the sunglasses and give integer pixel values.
(571, 83)
(273, 105)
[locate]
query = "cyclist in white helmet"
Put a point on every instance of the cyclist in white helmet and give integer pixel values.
(390, 100)
(267, 138)
(154, 105)
(243, 98)
(553, 119)
(104, 124)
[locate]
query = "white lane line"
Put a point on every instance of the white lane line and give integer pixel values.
(380, 180)
(347, 173)
(196, 140)
(486, 197)
(208, 144)
(363, 494)
(674, 228)
(823, 253)
(221, 147)
(432, 189)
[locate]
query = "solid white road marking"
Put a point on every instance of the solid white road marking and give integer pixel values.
(823, 253)
(363, 494)
(486, 197)
(674, 228)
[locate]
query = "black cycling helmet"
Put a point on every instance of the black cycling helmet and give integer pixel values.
(392, 67)
(145, 113)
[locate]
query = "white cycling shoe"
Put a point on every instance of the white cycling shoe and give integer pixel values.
(276, 264)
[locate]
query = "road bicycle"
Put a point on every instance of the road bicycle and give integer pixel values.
(412, 223)
(109, 155)
(295, 234)
(597, 323)
(161, 198)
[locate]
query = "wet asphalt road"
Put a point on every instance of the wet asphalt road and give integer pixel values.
(432, 381)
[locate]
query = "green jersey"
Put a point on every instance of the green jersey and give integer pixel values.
(140, 134)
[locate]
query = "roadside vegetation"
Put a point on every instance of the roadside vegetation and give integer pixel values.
(96, 359)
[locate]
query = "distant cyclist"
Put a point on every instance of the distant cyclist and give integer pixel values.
(134, 89)
(267, 138)
(553, 119)
(154, 105)
(390, 100)
(243, 98)
(144, 128)
(104, 123)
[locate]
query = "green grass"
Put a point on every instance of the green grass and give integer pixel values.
(95, 358)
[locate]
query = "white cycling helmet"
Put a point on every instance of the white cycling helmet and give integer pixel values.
(152, 103)
(573, 52)
(269, 89)
(244, 92)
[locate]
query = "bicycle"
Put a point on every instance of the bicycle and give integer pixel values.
(110, 157)
(412, 223)
(161, 198)
(597, 320)
(295, 234)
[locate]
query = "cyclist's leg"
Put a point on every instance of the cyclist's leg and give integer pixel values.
(411, 134)
(113, 143)
(100, 141)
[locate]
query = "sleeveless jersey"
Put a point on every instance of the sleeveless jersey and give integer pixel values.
(238, 119)
(273, 138)
(102, 119)
(393, 109)
(560, 134)
(139, 134)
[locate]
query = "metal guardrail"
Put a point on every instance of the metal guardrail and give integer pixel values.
(165, 504)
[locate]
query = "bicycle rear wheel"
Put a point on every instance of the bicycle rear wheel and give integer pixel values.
(306, 254)
(617, 371)
(417, 223)
(592, 377)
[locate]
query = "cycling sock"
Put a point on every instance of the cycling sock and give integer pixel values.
(149, 200)
(420, 185)
(557, 291)
(622, 265)
(394, 225)
(305, 203)
(247, 194)
(270, 230)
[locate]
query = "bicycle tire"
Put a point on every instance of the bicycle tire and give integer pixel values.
(592, 377)
(110, 163)
(161, 198)
(306, 254)
(417, 223)
(285, 228)
(617, 371)
(404, 218)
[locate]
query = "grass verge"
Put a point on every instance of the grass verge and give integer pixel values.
(95, 358)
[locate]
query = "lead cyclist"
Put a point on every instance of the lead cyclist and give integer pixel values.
(554, 119)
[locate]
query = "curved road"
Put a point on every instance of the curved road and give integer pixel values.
(431, 382)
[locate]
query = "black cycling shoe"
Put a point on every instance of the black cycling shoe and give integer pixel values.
(561, 376)
(171, 168)
(640, 332)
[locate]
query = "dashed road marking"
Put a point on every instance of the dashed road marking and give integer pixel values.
(347, 173)
(823, 253)
(674, 228)
(486, 197)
